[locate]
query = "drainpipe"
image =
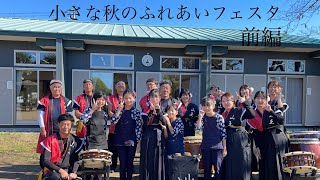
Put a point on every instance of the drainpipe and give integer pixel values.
(205, 69)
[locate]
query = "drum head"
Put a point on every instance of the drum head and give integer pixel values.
(193, 139)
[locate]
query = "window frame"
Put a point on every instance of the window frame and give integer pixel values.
(179, 64)
(224, 65)
(37, 65)
(286, 66)
(112, 61)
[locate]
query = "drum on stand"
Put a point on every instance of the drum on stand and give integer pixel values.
(192, 145)
(307, 144)
(299, 162)
(95, 158)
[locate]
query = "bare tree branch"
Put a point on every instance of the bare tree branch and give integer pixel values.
(298, 14)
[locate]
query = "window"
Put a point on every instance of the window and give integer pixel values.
(123, 61)
(47, 58)
(234, 65)
(184, 81)
(170, 63)
(227, 64)
(295, 66)
(276, 66)
(105, 81)
(216, 64)
(286, 66)
(110, 61)
(35, 58)
(31, 85)
(179, 63)
(190, 63)
(101, 61)
(26, 57)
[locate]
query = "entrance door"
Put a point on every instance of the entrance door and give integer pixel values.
(295, 100)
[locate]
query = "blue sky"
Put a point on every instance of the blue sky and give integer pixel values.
(42, 9)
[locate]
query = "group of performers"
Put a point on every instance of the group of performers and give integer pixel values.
(237, 133)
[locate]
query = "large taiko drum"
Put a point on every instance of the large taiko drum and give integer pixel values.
(299, 161)
(305, 134)
(95, 158)
(192, 145)
(307, 144)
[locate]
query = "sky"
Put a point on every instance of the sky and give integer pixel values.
(41, 9)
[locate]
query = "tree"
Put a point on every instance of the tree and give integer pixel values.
(101, 86)
(299, 13)
(25, 58)
(49, 59)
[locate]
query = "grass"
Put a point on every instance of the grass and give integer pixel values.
(18, 148)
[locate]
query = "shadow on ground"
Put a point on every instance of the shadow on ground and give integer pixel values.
(23, 172)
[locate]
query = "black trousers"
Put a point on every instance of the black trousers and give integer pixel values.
(212, 157)
(126, 156)
(114, 150)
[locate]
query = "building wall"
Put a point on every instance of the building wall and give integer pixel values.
(81, 59)
(7, 51)
(254, 62)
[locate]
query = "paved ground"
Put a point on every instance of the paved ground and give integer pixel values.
(30, 172)
(23, 172)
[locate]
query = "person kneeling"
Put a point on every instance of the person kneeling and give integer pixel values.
(59, 151)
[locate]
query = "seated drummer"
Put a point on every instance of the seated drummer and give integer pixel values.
(60, 149)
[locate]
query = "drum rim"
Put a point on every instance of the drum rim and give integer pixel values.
(298, 153)
(286, 169)
(95, 150)
(193, 137)
(94, 159)
(304, 141)
(308, 139)
(304, 132)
